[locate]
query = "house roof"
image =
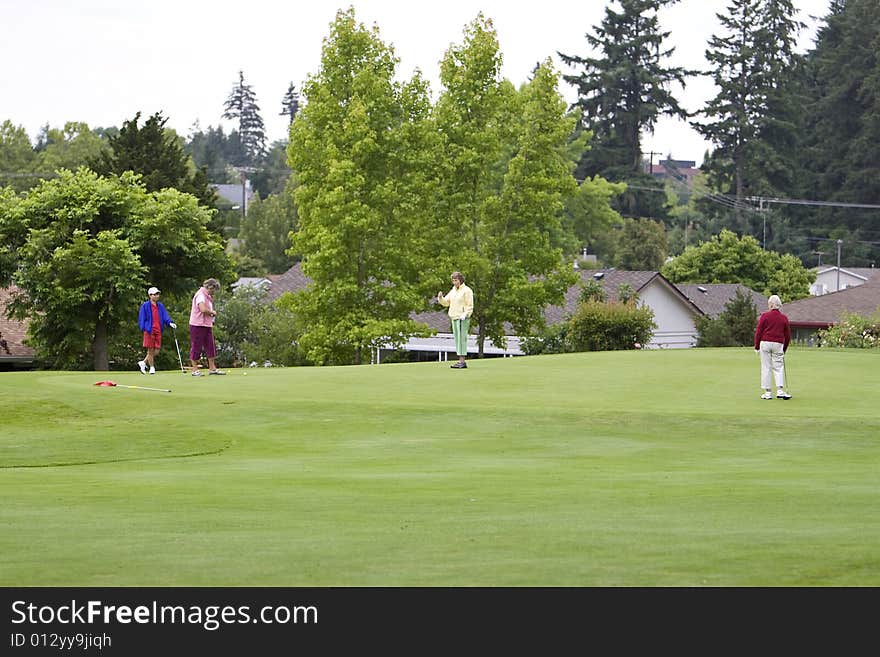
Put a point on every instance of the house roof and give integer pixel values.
(611, 280)
(711, 298)
(827, 309)
(263, 282)
(293, 280)
(231, 192)
(859, 272)
(14, 332)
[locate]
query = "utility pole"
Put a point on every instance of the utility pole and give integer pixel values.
(839, 244)
(242, 172)
(763, 212)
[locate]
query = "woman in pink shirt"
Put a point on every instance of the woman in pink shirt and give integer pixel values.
(201, 332)
(772, 337)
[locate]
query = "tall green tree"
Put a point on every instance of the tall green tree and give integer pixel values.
(82, 248)
(753, 119)
(241, 105)
(360, 151)
(623, 93)
(727, 258)
(506, 178)
(157, 154)
(843, 129)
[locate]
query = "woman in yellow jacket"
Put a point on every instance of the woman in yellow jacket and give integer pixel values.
(460, 301)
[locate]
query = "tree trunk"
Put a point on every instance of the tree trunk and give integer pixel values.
(99, 347)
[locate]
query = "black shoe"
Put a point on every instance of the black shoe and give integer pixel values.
(459, 366)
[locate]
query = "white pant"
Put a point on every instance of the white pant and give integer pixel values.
(772, 360)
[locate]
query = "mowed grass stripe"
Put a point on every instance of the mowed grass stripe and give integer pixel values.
(637, 468)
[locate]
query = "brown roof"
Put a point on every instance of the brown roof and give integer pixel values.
(14, 332)
(827, 309)
(293, 280)
(611, 280)
(711, 298)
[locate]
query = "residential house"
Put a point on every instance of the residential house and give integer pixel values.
(259, 282)
(674, 313)
(834, 279)
(683, 171)
(13, 333)
(807, 316)
(235, 194)
(712, 298)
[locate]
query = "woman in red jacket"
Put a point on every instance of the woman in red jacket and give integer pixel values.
(772, 337)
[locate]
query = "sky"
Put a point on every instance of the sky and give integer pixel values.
(102, 61)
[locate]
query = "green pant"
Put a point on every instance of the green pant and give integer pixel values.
(460, 333)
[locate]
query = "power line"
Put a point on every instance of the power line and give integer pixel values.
(831, 204)
(12, 174)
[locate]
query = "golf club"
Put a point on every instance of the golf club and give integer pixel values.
(111, 384)
(179, 359)
(785, 374)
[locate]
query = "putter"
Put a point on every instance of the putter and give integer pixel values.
(785, 375)
(111, 384)
(179, 359)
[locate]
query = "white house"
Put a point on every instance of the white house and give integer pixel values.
(674, 312)
(829, 279)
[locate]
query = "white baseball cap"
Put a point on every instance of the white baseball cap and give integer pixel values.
(153, 290)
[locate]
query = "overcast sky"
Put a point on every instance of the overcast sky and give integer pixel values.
(101, 61)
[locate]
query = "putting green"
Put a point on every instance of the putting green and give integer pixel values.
(97, 428)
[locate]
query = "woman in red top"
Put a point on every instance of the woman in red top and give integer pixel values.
(772, 337)
(152, 319)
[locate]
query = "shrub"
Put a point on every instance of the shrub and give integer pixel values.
(550, 341)
(597, 326)
(853, 331)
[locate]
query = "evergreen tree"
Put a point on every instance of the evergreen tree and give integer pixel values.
(752, 119)
(623, 93)
(272, 176)
(734, 326)
(157, 154)
(215, 152)
(843, 129)
(242, 105)
(290, 103)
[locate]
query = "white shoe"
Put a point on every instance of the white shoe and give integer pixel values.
(767, 395)
(143, 366)
(196, 373)
(152, 370)
(781, 394)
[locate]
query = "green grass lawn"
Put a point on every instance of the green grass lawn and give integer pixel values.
(654, 468)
